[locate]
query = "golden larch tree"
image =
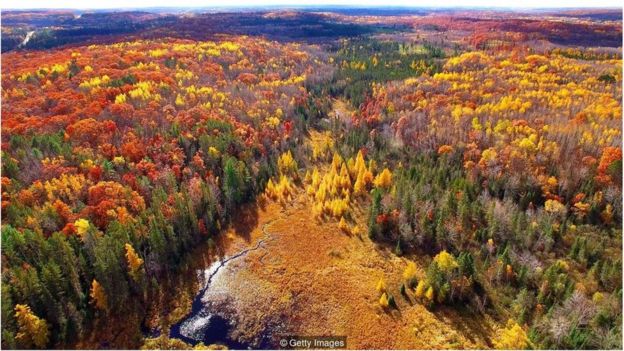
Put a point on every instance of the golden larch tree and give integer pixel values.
(98, 295)
(134, 261)
(32, 330)
(513, 337)
(383, 179)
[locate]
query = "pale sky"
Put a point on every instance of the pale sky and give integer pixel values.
(99, 4)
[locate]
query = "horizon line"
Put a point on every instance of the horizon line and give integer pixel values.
(327, 6)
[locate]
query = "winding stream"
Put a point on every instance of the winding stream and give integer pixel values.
(27, 38)
(208, 324)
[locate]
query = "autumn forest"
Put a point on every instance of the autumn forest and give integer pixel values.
(404, 178)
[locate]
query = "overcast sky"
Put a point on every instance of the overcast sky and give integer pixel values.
(92, 4)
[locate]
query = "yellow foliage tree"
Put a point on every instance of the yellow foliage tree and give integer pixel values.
(410, 271)
(281, 191)
(383, 179)
(98, 295)
(554, 207)
(429, 294)
(317, 210)
(336, 161)
(343, 225)
(383, 301)
(270, 189)
(446, 262)
(375, 61)
(82, 226)
(179, 101)
(381, 285)
(513, 337)
(359, 187)
(134, 261)
(597, 297)
(360, 164)
(339, 207)
(214, 152)
(363, 178)
(287, 164)
(32, 330)
(344, 172)
(316, 177)
(420, 289)
(284, 189)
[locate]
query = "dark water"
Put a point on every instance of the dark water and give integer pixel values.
(210, 324)
(202, 326)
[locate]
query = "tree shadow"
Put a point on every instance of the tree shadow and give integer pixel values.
(408, 298)
(394, 312)
(246, 220)
(466, 322)
(242, 224)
